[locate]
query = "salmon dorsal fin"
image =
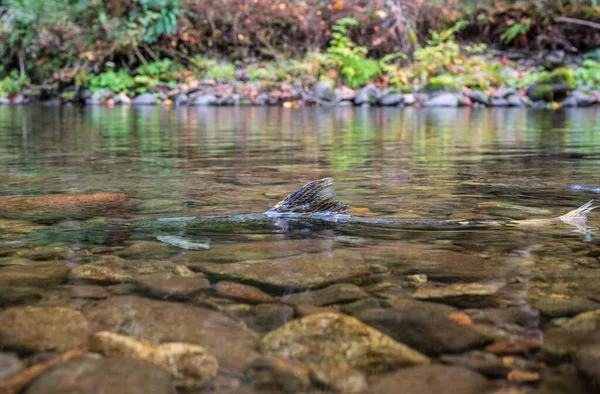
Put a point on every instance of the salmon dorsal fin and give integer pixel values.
(314, 197)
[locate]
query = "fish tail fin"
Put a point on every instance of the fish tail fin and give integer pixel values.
(579, 214)
(314, 197)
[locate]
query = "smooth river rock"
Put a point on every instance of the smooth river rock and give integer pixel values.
(168, 284)
(160, 321)
(561, 342)
(339, 349)
(432, 379)
(88, 375)
(426, 329)
(298, 272)
(9, 365)
(39, 329)
(183, 360)
(334, 294)
(40, 274)
(464, 295)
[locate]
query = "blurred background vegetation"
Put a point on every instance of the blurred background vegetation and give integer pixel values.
(132, 46)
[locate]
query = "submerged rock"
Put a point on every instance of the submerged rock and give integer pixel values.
(183, 360)
(185, 242)
(113, 269)
(9, 365)
(339, 349)
(561, 342)
(40, 274)
(60, 204)
(168, 284)
(160, 321)
(242, 292)
(88, 375)
(272, 316)
(298, 272)
(424, 328)
(432, 379)
(334, 294)
(462, 295)
(38, 329)
(275, 373)
(146, 250)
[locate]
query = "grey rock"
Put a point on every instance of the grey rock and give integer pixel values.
(106, 375)
(555, 58)
(443, 100)
(570, 101)
(9, 365)
(144, 99)
(18, 99)
(409, 99)
(432, 379)
(262, 99)
(181, 99)
(344, 104)
(98, 97)
(323, 90)
(514, 100)
(160, 321)
(226, 100)
(498, 102)
(360, 305)
(582, 99)
(204, 99)
(421, 327)
(163, 96)
(540, 104)
(505, 92)
(391, 99)
(479, 97)
(344, 95)
(366, 95)
(4, 101)
(334, 294)
(564, 307)
(85, 94)
(122, 99)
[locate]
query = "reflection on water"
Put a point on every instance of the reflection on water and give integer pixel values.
(413, 163)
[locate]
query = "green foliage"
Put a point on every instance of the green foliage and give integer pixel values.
(13, 83)
(543, 92)
(157, 17)
(119, 81)
(212, 68)
(588, 74)
(446, 35)
(561, 75)
(515, 30)
(442, 83)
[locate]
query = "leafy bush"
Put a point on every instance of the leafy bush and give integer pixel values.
(119, 81)
(13, 83)
(588, 74)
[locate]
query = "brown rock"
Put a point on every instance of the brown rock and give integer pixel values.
(242, 292)
(60, 203)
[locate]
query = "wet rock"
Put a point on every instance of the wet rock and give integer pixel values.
(505, 92)
(555, 58)
(334, 294)
(9, 365)
(305, 310)
(181, 99)
(563, 379)
(498, 102)
(168, 284)
(561, 342)
(366, 95)
(185, 361)
(409, 99)
(391, 99)
(461, 295)
(278, 374)
(323, 90)
(564, 307)
(146, 250)
(490, 364)
(89, 292)
(432, 379)
(144, 99)
(19, 227)
(524, 315)
(41, 274)
(113, 269)
(122, 99)
(38, 329)
(99, 97)
(203, 99)
(423, 328)
(578, 99)
(298, 272)
(355, 307)
(242, 292)
(4, 101)
(339, 349)
(514, 100)
(443, 100)
(344, 94)
(272, 316)
(515, 345)
(49, 252)
(18, 99)
(587, 359)
(262, 99)
(56, 204)
(479, 97)
(109, 375)
(11, 296)
(160, 321)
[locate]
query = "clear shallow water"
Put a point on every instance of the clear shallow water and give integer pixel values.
(439, 163)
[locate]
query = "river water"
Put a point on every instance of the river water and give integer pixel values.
(507, 308)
